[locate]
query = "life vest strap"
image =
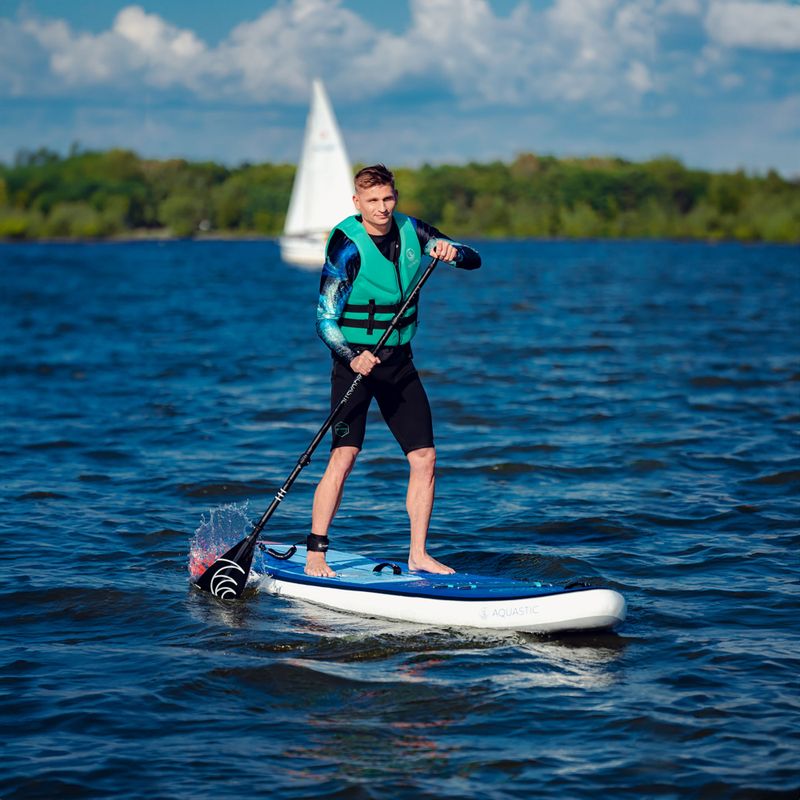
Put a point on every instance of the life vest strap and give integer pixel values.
(376, 324)
(371, 307)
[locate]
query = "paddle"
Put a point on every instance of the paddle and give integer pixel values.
(227, 576)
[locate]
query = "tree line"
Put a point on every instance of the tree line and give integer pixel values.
(115, 193)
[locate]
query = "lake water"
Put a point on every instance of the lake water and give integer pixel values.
(622, 413)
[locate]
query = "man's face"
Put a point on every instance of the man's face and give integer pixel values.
(376, 205)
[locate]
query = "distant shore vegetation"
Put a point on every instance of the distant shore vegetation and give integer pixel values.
(117, 194)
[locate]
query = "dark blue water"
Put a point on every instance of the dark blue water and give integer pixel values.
(624, 413)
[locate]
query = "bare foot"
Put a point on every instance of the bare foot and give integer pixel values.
(426, 563)
(317, 566)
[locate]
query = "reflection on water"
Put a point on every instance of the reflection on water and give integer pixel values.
(209, 610)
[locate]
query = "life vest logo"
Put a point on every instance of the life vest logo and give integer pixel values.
(341, 429)
(410, 254)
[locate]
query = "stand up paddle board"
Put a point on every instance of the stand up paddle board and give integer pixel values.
(385, 589)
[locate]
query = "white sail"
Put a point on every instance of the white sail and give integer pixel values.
(323, 186)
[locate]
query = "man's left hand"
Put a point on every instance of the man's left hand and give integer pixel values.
(444, 251)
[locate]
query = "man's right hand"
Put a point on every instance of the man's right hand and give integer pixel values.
(364, 362)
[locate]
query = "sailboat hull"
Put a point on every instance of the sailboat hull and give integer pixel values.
(304, 250)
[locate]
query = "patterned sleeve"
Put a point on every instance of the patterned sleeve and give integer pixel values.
(342, 264)
(467, 258)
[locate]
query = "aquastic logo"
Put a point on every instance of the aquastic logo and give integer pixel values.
(505, 612)
(410, 254)
(341, 429)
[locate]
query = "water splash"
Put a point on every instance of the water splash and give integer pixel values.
(222, 529)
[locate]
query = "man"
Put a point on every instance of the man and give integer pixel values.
(372, 262)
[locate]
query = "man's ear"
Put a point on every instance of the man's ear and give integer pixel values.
(356, 202)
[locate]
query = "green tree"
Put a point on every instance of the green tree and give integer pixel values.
(581, 222)
(73, 220)
(182, 214)
(96, 194)
(18, 224)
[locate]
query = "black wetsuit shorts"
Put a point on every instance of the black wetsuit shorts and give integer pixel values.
(401, 397)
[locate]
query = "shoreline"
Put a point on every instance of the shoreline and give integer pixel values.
(164, 236)
(154, 236)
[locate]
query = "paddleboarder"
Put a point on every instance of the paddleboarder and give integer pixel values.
(372, 260)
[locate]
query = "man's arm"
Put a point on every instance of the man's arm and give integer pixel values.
(342, 264)
(429, 237)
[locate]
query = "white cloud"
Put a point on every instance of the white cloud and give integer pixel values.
(152, 35)
(594, 43)
(275, 56)
(139, 47)
(482, 57)
(639, 77)
(595, 51)
(688, 8)
(756, 25)
(22, 61)
(731, 80)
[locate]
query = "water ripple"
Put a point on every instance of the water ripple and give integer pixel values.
(621, 413)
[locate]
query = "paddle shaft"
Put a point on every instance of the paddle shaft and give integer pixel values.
(305, 459)
(226, 578)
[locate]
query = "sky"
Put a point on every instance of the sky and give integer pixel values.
(715, 83)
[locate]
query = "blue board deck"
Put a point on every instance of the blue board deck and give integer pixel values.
(357, 573)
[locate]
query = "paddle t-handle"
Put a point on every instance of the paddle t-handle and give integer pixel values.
(227, 577)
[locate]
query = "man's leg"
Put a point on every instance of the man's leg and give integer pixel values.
(419, 503)
(407, 412)
(327, 497)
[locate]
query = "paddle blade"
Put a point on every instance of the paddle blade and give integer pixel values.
(226, 578)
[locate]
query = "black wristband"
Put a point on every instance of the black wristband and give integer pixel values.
(316, 544)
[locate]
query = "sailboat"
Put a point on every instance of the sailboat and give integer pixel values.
(323, 186)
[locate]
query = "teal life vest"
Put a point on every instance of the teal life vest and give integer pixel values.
(380, 286)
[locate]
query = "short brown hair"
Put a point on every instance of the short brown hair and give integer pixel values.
(376, 175)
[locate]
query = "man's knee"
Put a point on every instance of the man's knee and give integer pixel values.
(342, 461)
(423, 461)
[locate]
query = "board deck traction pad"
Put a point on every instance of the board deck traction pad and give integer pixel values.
(357, 573)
